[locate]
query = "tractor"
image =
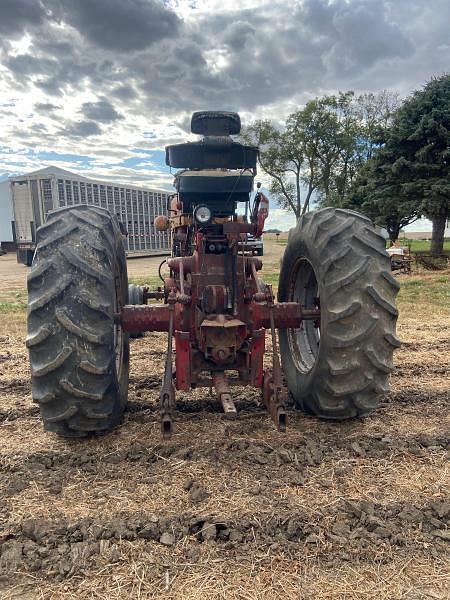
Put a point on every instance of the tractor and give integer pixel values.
(332, 327)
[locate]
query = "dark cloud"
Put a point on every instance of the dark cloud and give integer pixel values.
(50, 85)
(82, 129)
(54, 65)
(119, 25)
(45, 107)
(357, 34)
(124, 92)
(237, 34)
(102, 111)
(39, 128)
(139, 59)
(24, 65)
(17, 16)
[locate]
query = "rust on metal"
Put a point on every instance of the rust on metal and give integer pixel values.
(285, 315)
(183, 360)
(274, 392)
(167, 393)
(223, 393)
(216, 307)
(156, 318)
(145, 318)
(274, 404)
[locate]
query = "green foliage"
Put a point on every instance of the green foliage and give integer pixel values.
(321, 147)
(379, 193)
(9, 307)
(282, 157)
(365, 153)
(359, 125)
(423, 246)
(420, 140)
(152, 282)
(408, 176)
(435, 292)
(12, 301)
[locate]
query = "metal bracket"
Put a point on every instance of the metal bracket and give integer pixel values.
(274, 392)
(223, 393)
(274, 400)
(167, 394)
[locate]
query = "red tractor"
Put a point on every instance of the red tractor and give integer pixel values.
(335, 316)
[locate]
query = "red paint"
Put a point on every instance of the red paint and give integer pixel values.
(182, 360)
(145, 318)
(257, 347)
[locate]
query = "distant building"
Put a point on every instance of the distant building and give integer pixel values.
(35, 194)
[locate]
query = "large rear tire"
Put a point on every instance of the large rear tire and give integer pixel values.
(79, 356)
(338, 368)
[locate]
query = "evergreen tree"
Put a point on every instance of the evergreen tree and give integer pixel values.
(418, 153)
(377, 192)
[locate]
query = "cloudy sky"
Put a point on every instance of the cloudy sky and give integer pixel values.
(101, 86)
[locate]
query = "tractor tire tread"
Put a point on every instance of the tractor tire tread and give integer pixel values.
(71, 339)
(358, 314)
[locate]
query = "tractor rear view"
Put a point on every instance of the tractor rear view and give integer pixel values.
(333, 323)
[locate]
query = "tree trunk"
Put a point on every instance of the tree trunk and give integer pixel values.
(437, 239)
(393, 229)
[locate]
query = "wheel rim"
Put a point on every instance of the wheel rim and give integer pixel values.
(304, 341)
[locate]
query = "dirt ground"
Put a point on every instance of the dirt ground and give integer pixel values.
(229, 509)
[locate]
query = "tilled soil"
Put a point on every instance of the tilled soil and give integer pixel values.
(230, 509)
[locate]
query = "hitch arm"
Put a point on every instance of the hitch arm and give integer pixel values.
(167, 393)
(274, 392)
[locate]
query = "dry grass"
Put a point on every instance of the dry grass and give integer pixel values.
(394, 458)
(133, 574)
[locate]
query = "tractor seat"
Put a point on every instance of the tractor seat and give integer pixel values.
(219, 152)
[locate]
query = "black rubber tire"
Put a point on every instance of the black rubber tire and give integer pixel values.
(25, 257)
(349, 370)
(79, 357)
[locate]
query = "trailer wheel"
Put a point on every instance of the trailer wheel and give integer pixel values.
(339, 367)
(25, 256)
(79, 356)
(29, 258)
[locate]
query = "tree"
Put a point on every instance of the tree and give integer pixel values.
(332, 133)
(377, 192)
(420, 142)
(407, 175)
(361, 126)
(375, 113)
(300, 159)
(321, 147)
(282, 156)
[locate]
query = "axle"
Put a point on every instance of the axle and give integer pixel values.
(219, 342)
(156, 318)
